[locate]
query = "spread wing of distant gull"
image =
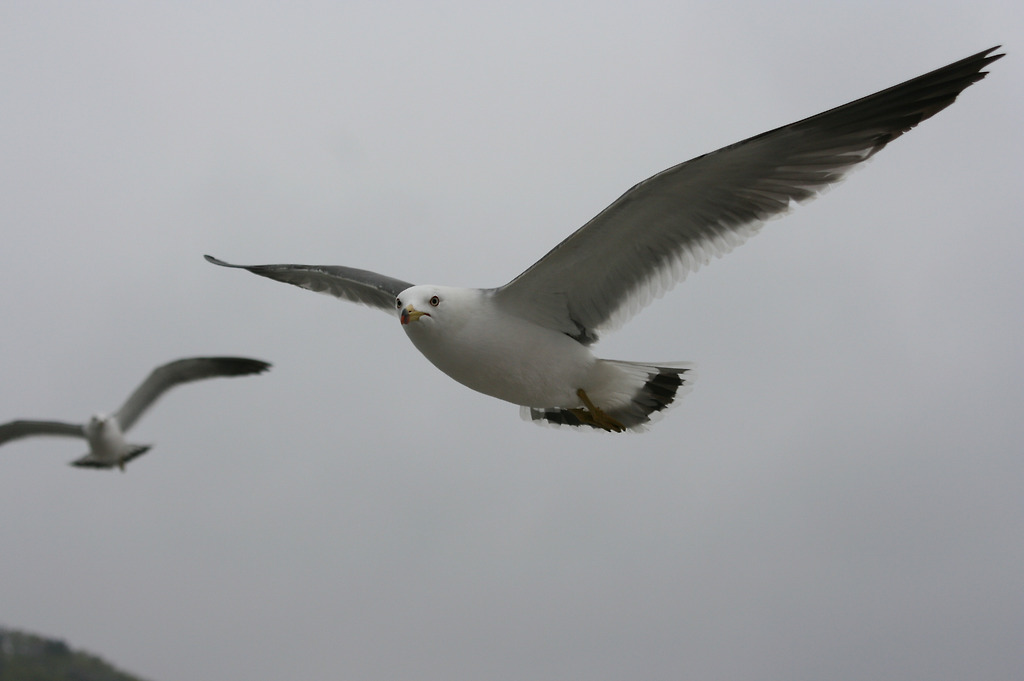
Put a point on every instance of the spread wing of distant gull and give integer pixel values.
(105, 433)
(527, 342)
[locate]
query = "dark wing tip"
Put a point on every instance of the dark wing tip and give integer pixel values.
(239, 366)
(994, 56)
(217, 261)
(976, 62)
(897, 109)
(79, 463)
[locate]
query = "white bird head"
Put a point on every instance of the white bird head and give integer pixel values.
(426, 306)
(96, 424)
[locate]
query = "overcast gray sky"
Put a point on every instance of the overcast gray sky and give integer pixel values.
(838, 498)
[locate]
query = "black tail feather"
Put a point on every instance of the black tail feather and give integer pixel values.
(658, 392)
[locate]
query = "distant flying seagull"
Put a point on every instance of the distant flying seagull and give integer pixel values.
(107, 446)
(527, 341)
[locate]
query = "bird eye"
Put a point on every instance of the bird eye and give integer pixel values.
(435, 301)
(398, 303)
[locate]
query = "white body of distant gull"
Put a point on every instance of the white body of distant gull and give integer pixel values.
(528, 341)
(105, 433)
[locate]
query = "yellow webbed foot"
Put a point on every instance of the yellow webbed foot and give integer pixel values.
(594, 416)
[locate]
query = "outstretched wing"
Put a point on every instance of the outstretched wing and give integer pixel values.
(349, 283)
(12, 430)
(674, 222)
(165, 377)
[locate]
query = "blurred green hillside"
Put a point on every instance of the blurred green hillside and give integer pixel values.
(27, 657)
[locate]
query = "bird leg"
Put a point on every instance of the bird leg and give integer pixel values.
(593, 416)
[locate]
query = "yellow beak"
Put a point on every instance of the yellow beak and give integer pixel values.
(411, 314)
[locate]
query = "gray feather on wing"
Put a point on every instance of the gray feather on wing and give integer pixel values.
(349, 283)
(12, 430)
(165, 377)
(672, 223)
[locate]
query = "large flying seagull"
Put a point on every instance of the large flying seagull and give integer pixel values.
(528, 341)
